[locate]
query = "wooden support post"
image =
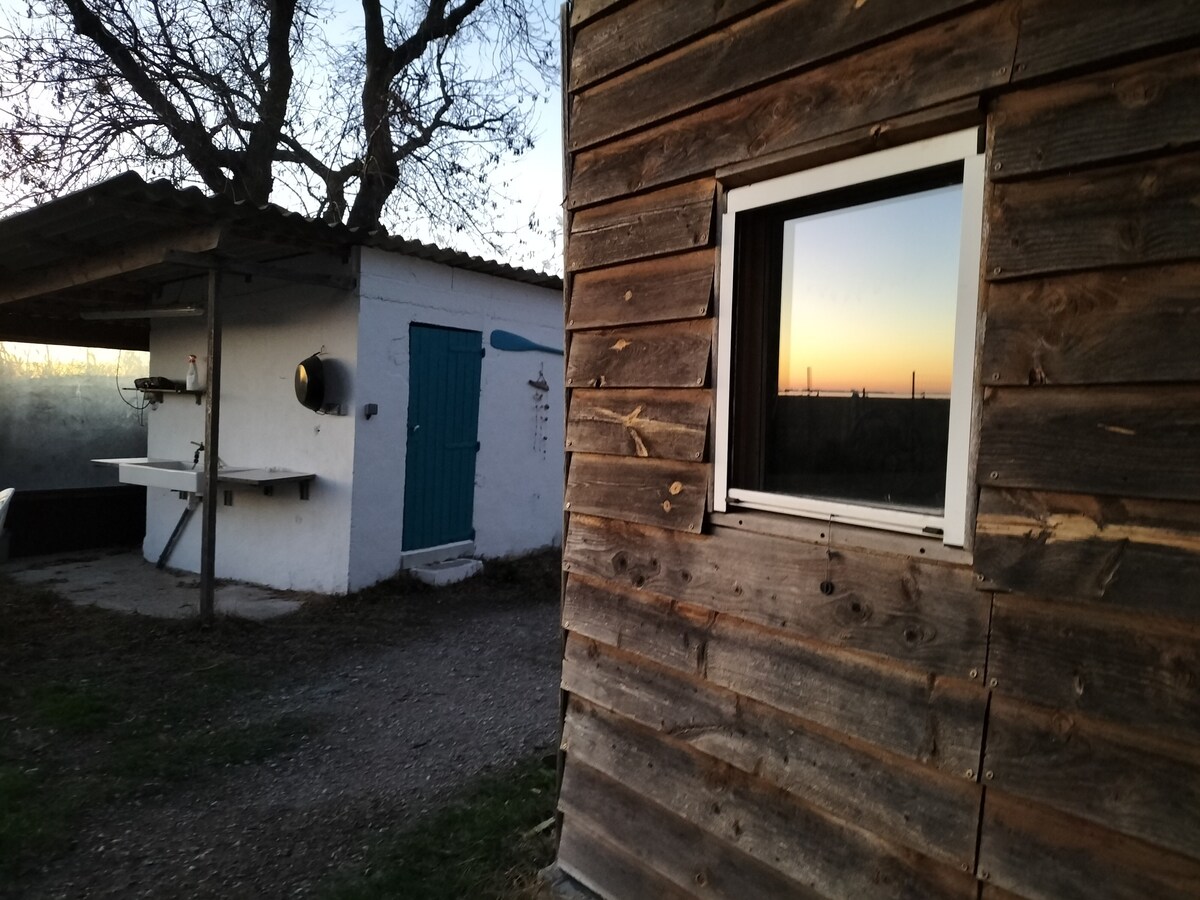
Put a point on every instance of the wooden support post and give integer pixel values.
(212, 419)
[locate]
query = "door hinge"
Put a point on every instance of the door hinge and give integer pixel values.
(482, 352)
(477, 446)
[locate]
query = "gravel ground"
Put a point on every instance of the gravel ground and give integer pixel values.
(472, 688)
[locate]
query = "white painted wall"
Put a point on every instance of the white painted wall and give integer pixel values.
(348, 534)
(269, 327)
(518, 474)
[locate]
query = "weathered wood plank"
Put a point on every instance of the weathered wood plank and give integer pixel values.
(1057, 35)
(782, 38)
(643, 30)
(936, 721)
(1062, 761)
(688, 857)
(655, 290)
(674, 354)
(931, 121)
(1044, 855)
(666, 221)
(1122, 441)
(583, 11)
(1126, 215)
(955, 59)
(849, 538)
(834, 858)
(1114, 666)
(899, 800)
(920, 614)
(1107, 327)
(664, 424)
(1137, 554)
(606, 867)
(1150, 107)
(667, 493)
(991, 892)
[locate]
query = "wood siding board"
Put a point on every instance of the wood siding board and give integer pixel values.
(1045, 855)
(944, 63)
(1058, 760)
(1059, 35)
(667, 493)
(1127, 215)
(1120, 441)
(1136, 554)
(583, 11)
(850, 539)
(918, 613)
(899, 800)
(668, 355)
(1107, 327)
(666, 221)
(688, 857)
(932, 720)
(1150, 107)
(833, 858)
(656, 290)
(930, 122)
(606, 866)
(643, 30)
(662, 424)
(1114, 666)
(779, 40)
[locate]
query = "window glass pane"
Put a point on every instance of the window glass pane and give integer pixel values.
(866, 327)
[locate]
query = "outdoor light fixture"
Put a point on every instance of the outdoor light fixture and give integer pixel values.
(161, 312)
(310, 383)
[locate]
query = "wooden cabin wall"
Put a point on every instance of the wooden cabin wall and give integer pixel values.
(1020, 719)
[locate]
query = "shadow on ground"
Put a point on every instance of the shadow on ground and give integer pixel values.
(155, 758)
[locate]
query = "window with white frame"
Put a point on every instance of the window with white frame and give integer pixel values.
(846, 339)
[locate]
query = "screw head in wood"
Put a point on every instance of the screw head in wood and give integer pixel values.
(974, 673)
(997, 270)
(997, 166)
(992, 682)
(993, 475)
(989, 774)
(970, 773)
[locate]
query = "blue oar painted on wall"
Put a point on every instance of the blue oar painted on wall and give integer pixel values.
(506, 340)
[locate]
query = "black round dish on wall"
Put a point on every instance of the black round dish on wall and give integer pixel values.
(310, 383)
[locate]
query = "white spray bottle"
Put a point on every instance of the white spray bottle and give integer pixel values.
(193, 379)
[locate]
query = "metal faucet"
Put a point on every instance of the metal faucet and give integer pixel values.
(196, 456)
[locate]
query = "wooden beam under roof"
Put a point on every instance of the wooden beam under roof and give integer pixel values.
(263, 270)
(123, 260)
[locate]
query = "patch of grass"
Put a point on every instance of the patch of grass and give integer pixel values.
(97, 706)
(489, 842)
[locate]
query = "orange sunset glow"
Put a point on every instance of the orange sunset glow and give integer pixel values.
(869, 296)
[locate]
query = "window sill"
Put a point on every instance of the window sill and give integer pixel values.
(842, 536)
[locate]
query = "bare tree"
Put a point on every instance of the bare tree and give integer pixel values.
(397, 114)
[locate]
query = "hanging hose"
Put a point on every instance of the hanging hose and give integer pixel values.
(193, 502)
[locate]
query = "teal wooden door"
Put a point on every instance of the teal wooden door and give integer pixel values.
(443, 435)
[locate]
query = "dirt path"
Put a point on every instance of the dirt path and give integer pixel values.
(466, 689)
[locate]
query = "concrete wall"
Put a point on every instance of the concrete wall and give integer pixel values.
(268, 328)
(518, 476)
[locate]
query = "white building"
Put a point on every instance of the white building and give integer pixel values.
(428, 437)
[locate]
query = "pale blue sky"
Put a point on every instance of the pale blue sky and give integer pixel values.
(874, 289)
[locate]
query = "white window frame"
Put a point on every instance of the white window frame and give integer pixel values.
(961, 146)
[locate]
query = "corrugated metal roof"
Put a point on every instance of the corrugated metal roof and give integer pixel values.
(112, 212)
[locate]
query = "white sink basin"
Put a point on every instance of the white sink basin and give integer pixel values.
(172, 474)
